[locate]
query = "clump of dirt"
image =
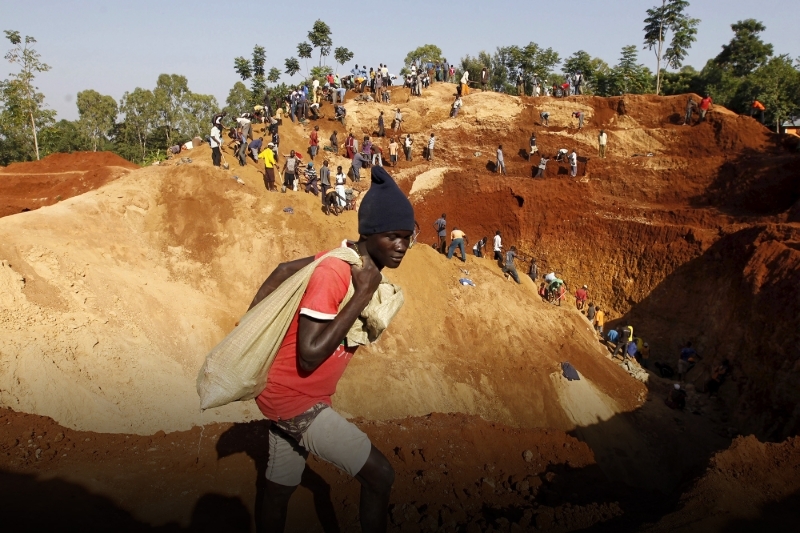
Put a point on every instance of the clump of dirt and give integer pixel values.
(31, 185)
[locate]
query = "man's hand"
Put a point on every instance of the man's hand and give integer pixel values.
(367, 278)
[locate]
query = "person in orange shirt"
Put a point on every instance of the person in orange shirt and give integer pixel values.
(705, 106)
(757, 107)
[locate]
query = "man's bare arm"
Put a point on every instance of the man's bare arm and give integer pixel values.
(281, 273)
(318, 339)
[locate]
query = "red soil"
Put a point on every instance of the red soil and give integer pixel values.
(28, 186)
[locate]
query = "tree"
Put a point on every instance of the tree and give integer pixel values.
(170, 96)
(140, 117)
(97, 113)
(775, 84)
(627, 77)
(588, 66)
(196, 118)
(242, 68)
(320, 37)
(746, 51)
(31, 102)
(259, 83)
(238, 100)
(292, 66)
(304, 51)
(342, 55)
(274, 75)
(428, 53)
(670, 16)
(63, 136)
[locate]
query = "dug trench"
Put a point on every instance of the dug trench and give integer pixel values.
(111, 299)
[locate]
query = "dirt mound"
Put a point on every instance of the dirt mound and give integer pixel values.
(752, 486)
(31, 185)
(171, 259)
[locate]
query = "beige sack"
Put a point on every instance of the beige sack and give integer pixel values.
(236, 369)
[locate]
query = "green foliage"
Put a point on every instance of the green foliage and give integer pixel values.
(746, 51)
(292, 66)
(669, 17)
(775, 84)
(140, 120)
(238, 101)
(21, 99)
(63, 136)
(197, 113)
(97, 113)
(424, 54)
(342, 55)
(686, 80)
(242, 68)
(304, 50)
(171, 93)
(627, 77)
(274, 75)
(320, 37)
(590, 67)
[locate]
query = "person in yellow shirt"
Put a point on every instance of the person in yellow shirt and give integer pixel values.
(458, 239)
(269, 167)
(599, 320)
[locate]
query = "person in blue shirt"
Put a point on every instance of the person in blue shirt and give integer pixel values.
(687, 360)
(255, 148)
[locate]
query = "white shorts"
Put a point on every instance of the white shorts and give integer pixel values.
(329, 437)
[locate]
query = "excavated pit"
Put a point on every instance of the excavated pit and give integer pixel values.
(111, 299)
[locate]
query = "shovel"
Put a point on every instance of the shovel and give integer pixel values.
(225, 164)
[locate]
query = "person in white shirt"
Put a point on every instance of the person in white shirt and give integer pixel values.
(314, 90)
(456, 106)
(602, 140)
(498, 247)
(465, 83)
(408, 143)
(573, 163)
(431, 143)
(215, 141)
(339, 188)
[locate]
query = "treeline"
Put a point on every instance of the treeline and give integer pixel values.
(746, 69)
(144, 123)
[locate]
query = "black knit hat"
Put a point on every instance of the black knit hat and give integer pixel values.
(384, 207)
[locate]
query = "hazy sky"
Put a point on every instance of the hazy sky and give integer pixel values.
(114, 46)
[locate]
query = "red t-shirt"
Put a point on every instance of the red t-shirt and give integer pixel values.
(291, 391)
(705, 103)
(314, 139)
(581, 294)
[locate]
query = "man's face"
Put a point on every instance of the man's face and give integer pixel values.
(388, 249)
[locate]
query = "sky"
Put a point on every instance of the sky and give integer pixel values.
(114, 46)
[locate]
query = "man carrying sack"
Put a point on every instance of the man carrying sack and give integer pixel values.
(312, 358)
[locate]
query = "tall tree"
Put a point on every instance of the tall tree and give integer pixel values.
(259, 83)
(746, 51)
(669, 17)
(320, 37)
(424, 54)
(196, 118)
(342, 55)
(292, 66)
(140, 116)
(28, 59)
(97, 113)
(588, 66)
(628, 76)
(170, 94)
(238, 100)
(274, 75)
(304, 51)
